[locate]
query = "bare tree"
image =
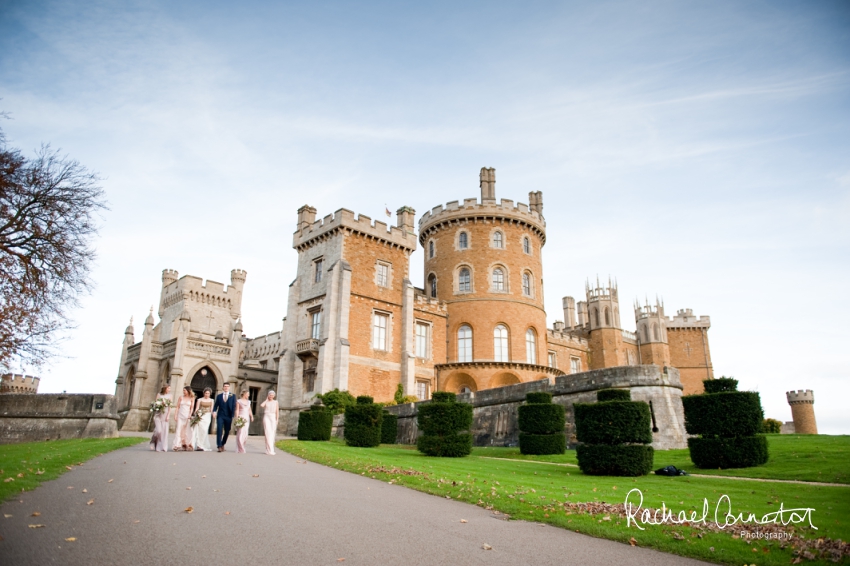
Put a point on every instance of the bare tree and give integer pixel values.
(48, 212)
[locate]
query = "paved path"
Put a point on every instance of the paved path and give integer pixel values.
(292, 513)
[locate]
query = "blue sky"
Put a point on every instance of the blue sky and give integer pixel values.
(698, 151)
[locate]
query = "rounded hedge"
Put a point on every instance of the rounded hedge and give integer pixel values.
(728, 414)
(613, 422)
(450, 446)
(541, 419)
(444, 423)
(315, 424)
(614, 395)
(744, 452)
(625, 460)
(541, 444)
(389, 428)
(538, 397)
(363, 424)
(720, 385)
(443, 397)
(365, 400)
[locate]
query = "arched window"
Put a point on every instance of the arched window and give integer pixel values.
(431, 249)
(526, 245)
(607, 317)
(596, 316)
(645, 333)
(500, 344)
(498, 279)
(654, 331)
(464, 281)
(531, 346)
(498, 240)
(432, 285)
(463, 241)
(464, 344)
(526, 284)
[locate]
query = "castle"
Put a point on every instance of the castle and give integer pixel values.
(356, 322)
(15, 383)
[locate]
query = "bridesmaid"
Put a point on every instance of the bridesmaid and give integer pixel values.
(270, 417)
(243, 409)
(183, 432)
(200, 432)
(159, 440)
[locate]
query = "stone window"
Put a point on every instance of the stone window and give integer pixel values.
(498, 279)
(498, 240)
(500, 344)
(530, 346)
(607, 317)
(382, 274)
(422, 390)
(464, 282)
(432, 285)
(596, 316)
(553, 360)
(464, 343)
(654, 331)
(526, 245)
(380, 324)
(526, 284)
(575, 365)
(431, 249)
(315, 324)
(463, 241)
(423, 340)
(317, 270)
(253, 395)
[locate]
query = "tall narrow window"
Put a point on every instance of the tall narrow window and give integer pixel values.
(575, 365)
(531, 346)
(422, 340)
(607, 317)
(422, 390)
(464, 344)
(646, 333)
(431, 249)
(463, 241)
(316, 325)
(498, 279)
(500, 344)
(526, 245)
(498, 240)
(654, 331)
(526, 284)
(317, 277)
(432, 283)
(596, 316)
(553, 360)
(383, 274)
(464, 281)
(379, 331)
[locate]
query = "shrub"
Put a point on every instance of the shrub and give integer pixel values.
(315, 424)
(613, 395)
(336, 401)
(613, 422)
(538, 397)
(607, 460)
(771, 426)
(365, 400)
(720, 385)
(363, 423)
(744, 452)
(541, 425)
(541, 444)
(443, 423)
(389, 428)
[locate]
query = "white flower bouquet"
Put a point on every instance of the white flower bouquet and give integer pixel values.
(160, 405)
(196, 418)
(239, 422)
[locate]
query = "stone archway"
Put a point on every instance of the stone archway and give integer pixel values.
(503, 379)
(460, 382)
(130, 385)
(203, 378)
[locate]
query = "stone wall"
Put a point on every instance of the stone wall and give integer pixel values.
(27, 418)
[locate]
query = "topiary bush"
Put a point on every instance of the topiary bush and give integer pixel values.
(615, 433)
(541, 425)
(771, 426)
(728, 423)
(336, 401)
(363, 423)
(444, 423)
(315, 424)
(389, 428)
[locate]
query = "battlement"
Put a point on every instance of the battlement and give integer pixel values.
(601, 292)
(265, 346)
(685, 318)
(649, 311)
(488, 209)
(801, 396)
(424, 302)
(565, 336)
(238, 275)
(169, 276)
(342, 219)
(194, 289)
(16, 383)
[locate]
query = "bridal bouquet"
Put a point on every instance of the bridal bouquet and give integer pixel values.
(239, 422)
(196, 418)
(160, 405)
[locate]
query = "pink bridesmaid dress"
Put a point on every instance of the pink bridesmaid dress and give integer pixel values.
(183, 432)
(159, 440)
(270, 425)
(243, 407)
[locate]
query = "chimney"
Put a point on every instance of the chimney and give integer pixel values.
(582, 313)
(306, 216)
(569, 304)
(404, 218)
(535, 201)
(488, 185)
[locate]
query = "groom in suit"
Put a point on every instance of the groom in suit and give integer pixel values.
(223, 410)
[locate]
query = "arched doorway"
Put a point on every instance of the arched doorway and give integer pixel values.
(202, 379)
(130, 385)
(459, 382)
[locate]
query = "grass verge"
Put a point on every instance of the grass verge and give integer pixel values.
(564, 497)
(25, 466)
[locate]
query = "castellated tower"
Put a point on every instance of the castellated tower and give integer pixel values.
(803, 411)
(13, 383)
(483, 259)
(603, 321)
(652, 333)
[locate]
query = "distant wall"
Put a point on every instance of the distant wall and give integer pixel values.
(495, 410)
(27, 418)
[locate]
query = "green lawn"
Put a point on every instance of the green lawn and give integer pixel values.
(30, 463)
(533, 490)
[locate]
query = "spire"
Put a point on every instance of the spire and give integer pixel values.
(149, 320)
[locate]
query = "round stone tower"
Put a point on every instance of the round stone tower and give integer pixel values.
(483, 259)
(803, 411)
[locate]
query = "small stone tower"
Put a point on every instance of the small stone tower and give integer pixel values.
(803, 411)
(12, 383)
(606, 335)
(652, 333)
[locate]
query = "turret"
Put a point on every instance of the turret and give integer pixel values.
(803, 411)
(606, 338)
(237, 281)
(169, 276)
(651, 333)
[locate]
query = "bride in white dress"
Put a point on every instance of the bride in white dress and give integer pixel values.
(200, 432)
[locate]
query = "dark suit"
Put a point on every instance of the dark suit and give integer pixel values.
(224, 411)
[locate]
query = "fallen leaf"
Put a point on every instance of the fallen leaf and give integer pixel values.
(90, 502)
(340, 559)
(227, 512)
(70, 487)
(464, 521)
(188, 488)
(606, 518)
(6, 516)
(36, 526)
(189, 509)
(633, 541)
(21, 475)
(203, 476)
(7, 480)
(71, 539)
(36, 514)
(255, 476)
(136, 522)
(486, 547)
(85, 491)
(39, 472)
(68, 468)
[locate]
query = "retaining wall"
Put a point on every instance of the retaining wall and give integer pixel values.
(27, 418)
